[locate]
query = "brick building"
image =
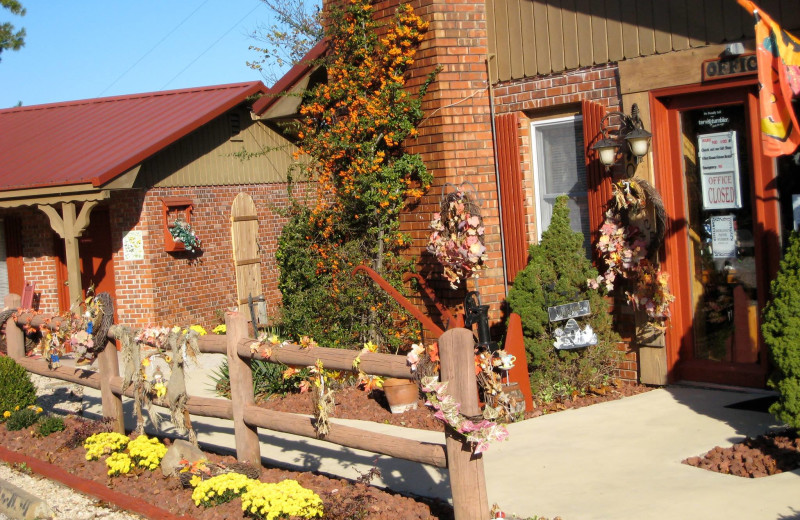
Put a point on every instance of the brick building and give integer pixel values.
(521, 97)
(103, 179)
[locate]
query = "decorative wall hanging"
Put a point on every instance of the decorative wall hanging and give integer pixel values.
(457, 236)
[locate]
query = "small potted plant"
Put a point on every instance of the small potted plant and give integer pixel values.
(182, 232)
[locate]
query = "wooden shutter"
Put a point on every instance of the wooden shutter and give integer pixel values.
(511, 194)
(598, 181)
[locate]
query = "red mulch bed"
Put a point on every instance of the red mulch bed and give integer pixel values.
(760, 457)
(342, 498)
(352, 403)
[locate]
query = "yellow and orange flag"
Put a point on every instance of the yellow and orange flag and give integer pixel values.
(778, 55)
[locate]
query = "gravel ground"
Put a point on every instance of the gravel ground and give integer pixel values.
(63, 398)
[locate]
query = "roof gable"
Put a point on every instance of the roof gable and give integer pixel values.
(95, 140)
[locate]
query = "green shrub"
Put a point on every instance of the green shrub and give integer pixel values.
(16, 389)
(781, 329)
(50, 424)
(557, 273)
(23, 418)
(268, 379)
(332, 306)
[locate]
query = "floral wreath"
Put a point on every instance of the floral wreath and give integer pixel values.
(457, 236)
(624, 250)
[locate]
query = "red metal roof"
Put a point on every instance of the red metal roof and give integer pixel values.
(95, 140)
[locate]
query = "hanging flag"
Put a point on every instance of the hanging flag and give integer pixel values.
(778, 55)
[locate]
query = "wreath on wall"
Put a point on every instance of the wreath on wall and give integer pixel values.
(457, 236)
(629, 255)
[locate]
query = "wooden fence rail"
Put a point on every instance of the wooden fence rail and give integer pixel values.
(455, 350)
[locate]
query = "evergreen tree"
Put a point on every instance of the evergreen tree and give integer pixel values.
(557, 273)
(781, 329)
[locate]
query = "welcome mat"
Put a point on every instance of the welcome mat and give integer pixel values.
(760, 404)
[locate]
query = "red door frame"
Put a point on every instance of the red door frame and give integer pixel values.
(96, 255)
(665, 105)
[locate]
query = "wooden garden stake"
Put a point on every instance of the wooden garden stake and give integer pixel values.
(108, 366)
(247, 445)
(467, 480)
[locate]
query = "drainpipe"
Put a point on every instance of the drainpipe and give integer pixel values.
(497, 174)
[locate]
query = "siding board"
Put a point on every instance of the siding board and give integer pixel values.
(531, 37)
(492, 36)
(630, 31)
(514, 38)
(679, 24)
(556, 35)
(529, 25)
(644, 20)
(732, 20)
(569, 26)
(714, 20)
(790, 15)
(542, 38)
(661, 26)
(696, 23)
(614, 27)
(583, 21)
(503, 46)
(599, 39)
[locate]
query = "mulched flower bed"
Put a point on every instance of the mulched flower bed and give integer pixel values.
(760, 457)
(342, 498)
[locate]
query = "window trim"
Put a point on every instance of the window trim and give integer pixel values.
(576, 119)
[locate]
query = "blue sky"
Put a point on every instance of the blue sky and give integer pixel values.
(98, 48)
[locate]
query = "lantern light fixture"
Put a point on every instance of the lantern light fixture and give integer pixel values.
(631, 130)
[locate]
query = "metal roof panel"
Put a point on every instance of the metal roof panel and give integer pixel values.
(95, 140)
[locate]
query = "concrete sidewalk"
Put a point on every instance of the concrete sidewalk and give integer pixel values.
(615, 460)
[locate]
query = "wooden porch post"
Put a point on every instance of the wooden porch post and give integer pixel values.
(248, 448)
(467, 480)
(15, 338)
(70, 227)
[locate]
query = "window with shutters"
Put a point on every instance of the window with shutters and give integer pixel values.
(559, 168)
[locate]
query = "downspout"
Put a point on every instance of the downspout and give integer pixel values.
(497, 174)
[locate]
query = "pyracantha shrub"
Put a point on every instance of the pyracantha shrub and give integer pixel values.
(350, 137)
(781, 329)
(557, 273)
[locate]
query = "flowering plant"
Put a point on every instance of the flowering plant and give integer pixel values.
(104, 443)
(182, 231)
(221, 489)
(457, 238)
(285, 499)
(447, 410)
(147, 452)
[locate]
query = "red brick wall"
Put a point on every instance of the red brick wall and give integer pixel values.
(167, 288)
(599, 84)
(183, 288)
(549, 95)
(455, 138)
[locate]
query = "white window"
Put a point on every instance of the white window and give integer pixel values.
(559, 169)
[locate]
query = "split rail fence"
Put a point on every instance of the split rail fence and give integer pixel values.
(456, 352)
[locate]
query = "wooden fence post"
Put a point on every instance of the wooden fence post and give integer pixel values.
(467, 480)
(248, 448)
(15, 338)
(108, 367)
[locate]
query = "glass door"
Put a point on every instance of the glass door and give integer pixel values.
(720, 233)
(721, 247)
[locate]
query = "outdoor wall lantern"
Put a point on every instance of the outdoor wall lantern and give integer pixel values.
(630, 130)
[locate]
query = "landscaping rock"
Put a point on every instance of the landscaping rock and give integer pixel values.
(20, 505)
(180, 450)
